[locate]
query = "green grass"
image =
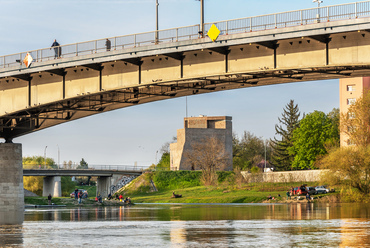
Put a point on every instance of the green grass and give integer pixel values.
(201, 194)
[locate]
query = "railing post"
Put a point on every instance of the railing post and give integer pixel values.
(134, 40)
(227, 27)
(4, 61)
(115, 43)
(177, 34)
(250, 24)
(328, 13)
(275, 21)
(96, 46)
(356, 10)
(76, 49)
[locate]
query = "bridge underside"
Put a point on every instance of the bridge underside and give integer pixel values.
(53, 93)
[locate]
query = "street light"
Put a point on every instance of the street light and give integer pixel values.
(318, 9)
(201, 18)
(58, 156)
(45, 157)
(156, 21)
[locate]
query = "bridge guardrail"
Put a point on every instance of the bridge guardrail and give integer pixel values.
(94, 167)
(249, 24)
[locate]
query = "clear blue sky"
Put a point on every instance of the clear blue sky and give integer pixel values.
(137, 133)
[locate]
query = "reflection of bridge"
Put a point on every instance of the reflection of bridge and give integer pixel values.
(312, 44)
(52, 180)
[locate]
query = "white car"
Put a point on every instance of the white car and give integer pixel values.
(321, 190)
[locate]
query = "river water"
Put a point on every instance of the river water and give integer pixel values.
(194, 225)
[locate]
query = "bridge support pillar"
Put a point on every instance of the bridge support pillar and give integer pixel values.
(11, 184)
(53, 186)
(103, 186)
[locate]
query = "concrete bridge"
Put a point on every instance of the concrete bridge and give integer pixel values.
(52, 178)
(88, 78)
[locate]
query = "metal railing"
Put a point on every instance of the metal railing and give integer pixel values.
(249, 24)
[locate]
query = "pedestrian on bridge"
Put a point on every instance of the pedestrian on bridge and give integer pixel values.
(108, 44)
(57, 49)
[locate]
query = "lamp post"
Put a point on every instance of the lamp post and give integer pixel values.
(156, 21)
(45, 156)
(201, 31)
(318, 9)
(265, 157)
(58, 156)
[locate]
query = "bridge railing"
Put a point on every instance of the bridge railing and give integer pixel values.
(249, 24)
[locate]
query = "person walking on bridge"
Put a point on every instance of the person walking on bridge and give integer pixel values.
(57, 49)
(108, 44)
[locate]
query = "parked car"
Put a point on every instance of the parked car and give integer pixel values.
(84, 194)
(311, 190)
(299, 190)
(321, 190)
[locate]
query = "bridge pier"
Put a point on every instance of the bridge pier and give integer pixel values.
(103, 186)
(53, 186)
(11, 184)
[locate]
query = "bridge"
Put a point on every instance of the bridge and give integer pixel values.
(52, 178)
(312, 44)
(88, 78)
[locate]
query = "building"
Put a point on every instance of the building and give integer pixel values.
(350, 89)
(197, 129)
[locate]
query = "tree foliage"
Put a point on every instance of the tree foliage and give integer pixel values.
(349, 166)
(309, 139)
(356, 122)
(249, 151)
(83, 164)
(164, 163)
(281, 158)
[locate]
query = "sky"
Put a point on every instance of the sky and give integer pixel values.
(136, 134)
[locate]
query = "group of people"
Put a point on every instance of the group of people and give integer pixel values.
(58, 48)
(79, 195)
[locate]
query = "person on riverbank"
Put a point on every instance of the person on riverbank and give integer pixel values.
(308, 197)
(76, 194)
(100, 199)
(288, 195)
(49, 199)
(79, 197)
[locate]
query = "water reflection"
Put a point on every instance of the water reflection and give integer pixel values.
(195, 225)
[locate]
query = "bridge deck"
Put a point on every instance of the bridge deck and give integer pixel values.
(285, 47)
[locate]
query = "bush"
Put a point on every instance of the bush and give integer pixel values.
(176, 179)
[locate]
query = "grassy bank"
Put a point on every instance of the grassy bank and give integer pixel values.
(188, 184)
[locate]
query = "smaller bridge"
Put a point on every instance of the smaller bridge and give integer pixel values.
(52, 178)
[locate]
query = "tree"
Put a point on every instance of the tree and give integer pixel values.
(280, 157)
(209, 156)
(309, 139)
(351, 165)
(247, 149)
(164, 163)
(356, 122)
(83, 164)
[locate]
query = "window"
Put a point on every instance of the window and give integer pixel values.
(351, 87)
(351, 101)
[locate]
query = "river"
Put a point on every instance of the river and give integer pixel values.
(194, 225)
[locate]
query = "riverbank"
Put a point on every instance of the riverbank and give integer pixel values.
(69, 202)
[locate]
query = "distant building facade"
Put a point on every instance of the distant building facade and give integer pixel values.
(197, 129)
(350, 90)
